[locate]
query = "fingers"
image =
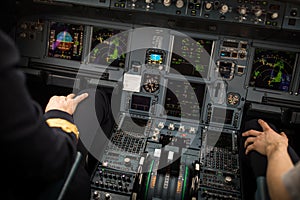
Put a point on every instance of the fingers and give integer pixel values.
(264, 125)
(80, 98)
(249, 148)
(283, 134)
(249, 140)
(70, 96)
(251, 133)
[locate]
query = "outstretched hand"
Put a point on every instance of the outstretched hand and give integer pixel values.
(65, 103)
(264, 141)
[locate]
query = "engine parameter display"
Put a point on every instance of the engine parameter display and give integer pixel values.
(65, 41)
(191, 56)
(108, 47)
(184, 99)
(272, 69)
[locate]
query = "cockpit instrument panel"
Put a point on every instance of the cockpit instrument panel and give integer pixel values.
(65, 41)
(191, 56)
(272, 69)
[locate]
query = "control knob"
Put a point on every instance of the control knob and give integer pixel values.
(171, 127)
(24, 26)
(208, 5)
(107, 196)
(96, 195)
(228, 179)
(179, 3)
(23, 35)
(242, 10)
(167, 2)
(224, 9)
(275, 15)
(257, 11)
(127, 162)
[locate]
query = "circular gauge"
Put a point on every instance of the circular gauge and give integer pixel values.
(151, 83)
(233, 99)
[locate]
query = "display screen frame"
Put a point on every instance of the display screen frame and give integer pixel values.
(219, 139)
(175, 68)
(222, 115)
(52, 38)
(143, 100)
(113, 30)
(201, 104)
(293, 74)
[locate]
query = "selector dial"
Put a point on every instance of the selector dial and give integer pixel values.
(167, 2)
(275, 15)
(151, 83)
(179, 3)
(224, 9)
(242, 10)
(257, 11)
(208, 5)
(233, 99)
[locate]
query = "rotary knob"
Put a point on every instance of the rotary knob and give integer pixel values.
(242, 10)
(275, 15)
(23, 35)
(208, 5)
(127, 161)
(258, 12)
(96, 195)
(179, 3)
(224, 9)
(107, 196)
(228, 179)
(167, 3)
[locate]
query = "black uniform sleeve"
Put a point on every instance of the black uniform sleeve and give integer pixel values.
(31, 150)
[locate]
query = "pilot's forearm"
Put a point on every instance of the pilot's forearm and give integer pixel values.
(279, 162)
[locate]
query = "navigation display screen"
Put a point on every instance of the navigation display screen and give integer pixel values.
(141, 103)
(272, 69)
(184, 99)
(191, 56)
(65, 41)
(108, 47)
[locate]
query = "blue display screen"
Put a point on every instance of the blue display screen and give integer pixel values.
(155, 57)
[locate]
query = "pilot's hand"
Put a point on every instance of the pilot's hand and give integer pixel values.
(266, 141)
(65, 103)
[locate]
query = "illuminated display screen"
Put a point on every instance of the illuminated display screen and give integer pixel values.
(272, 69)
(108, 47)
(222, 115)
(155, 56)
(65, 41)
(141, 103)
(184, 99)
(191, 56)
